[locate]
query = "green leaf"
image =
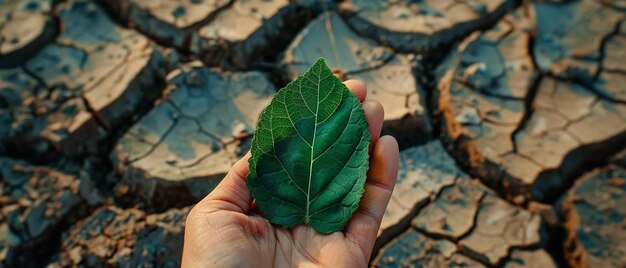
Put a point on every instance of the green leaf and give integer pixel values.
(310, 153)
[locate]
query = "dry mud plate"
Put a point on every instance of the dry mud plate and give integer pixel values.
(117, 116)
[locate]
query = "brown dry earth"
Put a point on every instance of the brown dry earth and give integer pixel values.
(117, 116)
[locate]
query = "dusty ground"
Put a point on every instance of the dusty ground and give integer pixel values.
(117, 116)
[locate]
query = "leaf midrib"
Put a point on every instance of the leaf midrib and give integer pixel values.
(317, 108)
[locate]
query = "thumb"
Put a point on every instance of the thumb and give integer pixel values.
(231, 193)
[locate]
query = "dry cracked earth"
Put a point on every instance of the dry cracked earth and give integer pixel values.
(117, 116)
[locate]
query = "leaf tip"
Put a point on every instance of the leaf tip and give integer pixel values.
(321, 63)
(320, 60)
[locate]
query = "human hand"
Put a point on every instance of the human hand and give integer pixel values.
(225, 229)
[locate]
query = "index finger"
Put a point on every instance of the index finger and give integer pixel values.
(374, 112)
(357, 88)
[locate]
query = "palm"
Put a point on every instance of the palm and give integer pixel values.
(260, 244)
(225, 229)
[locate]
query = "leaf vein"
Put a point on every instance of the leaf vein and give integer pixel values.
(325, 186)
(294, 127)
(343, 130)
(287, 172)
(274, 149)
(294, 205)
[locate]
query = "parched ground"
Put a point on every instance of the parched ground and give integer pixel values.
(117, 116)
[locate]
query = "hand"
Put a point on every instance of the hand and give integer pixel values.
(225, 229)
